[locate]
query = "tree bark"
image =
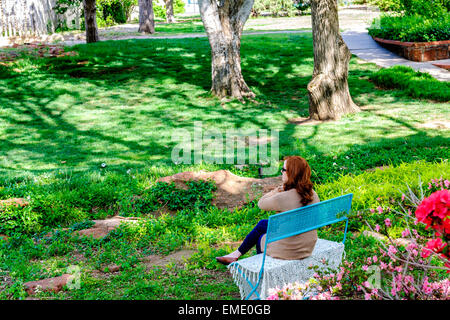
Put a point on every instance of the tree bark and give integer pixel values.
(90, 21)
(329, 95)
(146, 16)
(170, 18)
(224, 21)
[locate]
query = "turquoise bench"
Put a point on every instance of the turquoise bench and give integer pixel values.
(257, 274)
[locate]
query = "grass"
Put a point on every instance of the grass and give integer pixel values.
(417, 84)
(119, 102)
(30, 257)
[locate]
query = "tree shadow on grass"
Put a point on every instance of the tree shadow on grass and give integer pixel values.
(162, 83)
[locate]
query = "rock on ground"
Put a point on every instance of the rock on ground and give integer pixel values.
(232, 190)
(51, 284)
(101, 228)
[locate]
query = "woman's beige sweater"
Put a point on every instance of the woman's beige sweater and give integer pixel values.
(295, 247)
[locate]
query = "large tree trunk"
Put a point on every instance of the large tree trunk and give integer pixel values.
(90, 21)
(170, 18)
(146, 16)
(224, 22)
(329, 96)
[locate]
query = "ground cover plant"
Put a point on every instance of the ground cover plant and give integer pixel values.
(417, 84)
(85, 136)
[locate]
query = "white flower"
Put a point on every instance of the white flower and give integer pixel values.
(103, 165)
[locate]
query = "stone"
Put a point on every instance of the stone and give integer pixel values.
(55, 284)
(402, 242)
(232, 190)
(375, 235)
(101, 228)
(111, 268)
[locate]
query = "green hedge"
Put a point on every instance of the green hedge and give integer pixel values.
(411, 28)
(416, 84)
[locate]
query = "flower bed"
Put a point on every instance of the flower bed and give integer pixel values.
(414, 37)
(415, 268)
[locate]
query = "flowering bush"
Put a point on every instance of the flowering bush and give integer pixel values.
(412, 267)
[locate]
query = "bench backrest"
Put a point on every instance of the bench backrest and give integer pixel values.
(310, 217)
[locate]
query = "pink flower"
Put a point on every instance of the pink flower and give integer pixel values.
(375, 259)
(392, 250)
(372, 210)
(405, 233)
(380, 209)
(447, 183)
(377, 228)
(365, 268)
(387, 221)
(403, 197)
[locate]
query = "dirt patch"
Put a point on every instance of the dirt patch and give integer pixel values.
(18, 202)
(306, 121)
(160, 261)
(436, 124)
(101, 228)
(232, 191)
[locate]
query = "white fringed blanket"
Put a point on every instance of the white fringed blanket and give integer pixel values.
(279, 272)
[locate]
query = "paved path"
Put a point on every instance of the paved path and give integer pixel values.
(364, 47)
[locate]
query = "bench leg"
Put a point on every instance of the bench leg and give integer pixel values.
(254, 287)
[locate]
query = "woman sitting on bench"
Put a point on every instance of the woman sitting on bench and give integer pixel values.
(296, 191)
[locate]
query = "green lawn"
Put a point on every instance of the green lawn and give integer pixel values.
(118, 102)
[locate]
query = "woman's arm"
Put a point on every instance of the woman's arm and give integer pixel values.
(268, 201)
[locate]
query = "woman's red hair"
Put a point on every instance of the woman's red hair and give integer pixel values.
(299, 177)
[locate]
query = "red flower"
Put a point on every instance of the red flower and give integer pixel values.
(434, 211)
(436, 245)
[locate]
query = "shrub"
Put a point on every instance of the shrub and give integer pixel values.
(160, 10)
(117, 11)
(426, 8)
(414, 28)
(414, 270)
(278, 7)
(302, 5)
(16, 219)
(415, 83)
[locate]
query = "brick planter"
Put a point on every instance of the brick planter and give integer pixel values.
(417, 51)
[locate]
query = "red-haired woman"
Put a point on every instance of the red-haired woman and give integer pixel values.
(296, 191)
